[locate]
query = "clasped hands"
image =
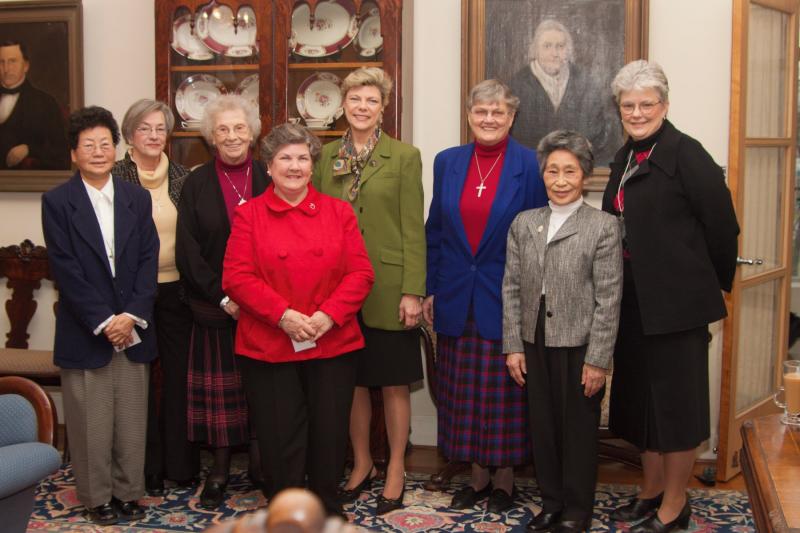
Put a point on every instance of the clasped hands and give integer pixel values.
(301, 327)
(119, 331)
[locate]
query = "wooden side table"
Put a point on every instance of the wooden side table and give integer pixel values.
(771, 466)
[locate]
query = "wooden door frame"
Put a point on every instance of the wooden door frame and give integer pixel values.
(730, 441)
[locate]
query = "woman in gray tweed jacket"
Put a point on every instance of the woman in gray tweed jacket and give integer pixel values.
(561, 296)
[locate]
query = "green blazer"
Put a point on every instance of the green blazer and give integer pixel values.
(389, 209)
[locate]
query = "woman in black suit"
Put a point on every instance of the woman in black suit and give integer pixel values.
(679, 248)
(217, 409)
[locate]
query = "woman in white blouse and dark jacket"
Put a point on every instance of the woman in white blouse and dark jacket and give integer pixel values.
(561, 295)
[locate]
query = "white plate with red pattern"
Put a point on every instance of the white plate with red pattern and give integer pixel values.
(334, 27)
(319, 100)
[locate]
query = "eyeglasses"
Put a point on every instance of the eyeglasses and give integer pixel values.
(568, 174)
(161, 131)
(89, 148)
(645, 108)
(482, 114)
(224, 131)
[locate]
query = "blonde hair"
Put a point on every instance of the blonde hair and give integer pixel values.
(369, 77)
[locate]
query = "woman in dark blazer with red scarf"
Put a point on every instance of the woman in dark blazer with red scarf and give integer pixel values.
(478, 190)
(679, 248)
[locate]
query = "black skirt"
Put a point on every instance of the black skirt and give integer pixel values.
(388, 357)
(659, 392)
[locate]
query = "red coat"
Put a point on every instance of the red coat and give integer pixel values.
(309, 257)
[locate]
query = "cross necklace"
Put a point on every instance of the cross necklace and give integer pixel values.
(483, 178)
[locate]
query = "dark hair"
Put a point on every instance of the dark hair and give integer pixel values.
(91, 117)
(14, 42)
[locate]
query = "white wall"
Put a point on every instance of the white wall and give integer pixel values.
(690, 39)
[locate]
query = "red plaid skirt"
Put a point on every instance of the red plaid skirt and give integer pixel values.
(482, 413)
(216, 406)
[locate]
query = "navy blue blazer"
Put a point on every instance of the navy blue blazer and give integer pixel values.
(458, 280)
(88, 294)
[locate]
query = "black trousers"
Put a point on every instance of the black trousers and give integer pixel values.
(563, 426)
(301, 414)
(169, 453)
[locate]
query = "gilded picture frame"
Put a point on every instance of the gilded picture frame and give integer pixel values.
(51, 34)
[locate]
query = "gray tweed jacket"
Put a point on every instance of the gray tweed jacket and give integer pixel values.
(581, 268)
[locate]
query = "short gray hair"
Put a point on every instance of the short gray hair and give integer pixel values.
(229, 102)
(550, 25)
(289, 133)
(490, 91)
(571, 141)
(639, 75)
(140, 109)
(369, 77)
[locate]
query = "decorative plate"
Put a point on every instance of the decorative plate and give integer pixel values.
(224, 33)
(369, 40)
(319, 100)
(335, 26)
(248, 88)
(194, 94)
(185, 42)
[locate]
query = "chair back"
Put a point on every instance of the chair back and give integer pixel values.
(15, 391)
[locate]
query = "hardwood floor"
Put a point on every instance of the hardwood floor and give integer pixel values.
(426, 459)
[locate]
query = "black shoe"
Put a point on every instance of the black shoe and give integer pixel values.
(102, 515)
(387, 505)
(571, 526)
(154, 485)
(655, 525)
(543, 521)
(637, 509)
(467, 497)
(128, 510)
(186, 483)
(499, 501)
(213, 493)
(347, 496)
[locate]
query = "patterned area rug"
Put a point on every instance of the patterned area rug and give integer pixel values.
(57, 509)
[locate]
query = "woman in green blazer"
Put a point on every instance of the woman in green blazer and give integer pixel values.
(382, 179)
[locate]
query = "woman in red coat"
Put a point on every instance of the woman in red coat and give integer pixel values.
(297, 266)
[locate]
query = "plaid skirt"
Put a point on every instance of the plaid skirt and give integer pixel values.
(482, 413)
(216, 404)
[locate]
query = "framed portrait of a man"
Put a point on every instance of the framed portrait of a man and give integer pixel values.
(41, 83)
(558, 57)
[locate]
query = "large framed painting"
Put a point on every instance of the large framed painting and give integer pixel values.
(558, 57)
(41, 83)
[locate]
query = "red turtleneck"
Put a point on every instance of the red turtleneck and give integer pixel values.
(241, 179)
(474, 209)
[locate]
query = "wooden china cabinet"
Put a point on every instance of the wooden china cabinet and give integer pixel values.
(205, 48)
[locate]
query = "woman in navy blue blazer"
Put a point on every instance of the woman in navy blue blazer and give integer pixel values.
(478, 189)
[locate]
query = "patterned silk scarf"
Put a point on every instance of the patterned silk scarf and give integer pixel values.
(349, 163)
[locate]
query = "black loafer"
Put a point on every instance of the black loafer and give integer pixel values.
(213, 493)
(499, 501)
(655, 525)
(571, 526)
(543, 521)
(467, 497)
(154, 485)
(637, 509)
(128, 510)
(102, 515)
